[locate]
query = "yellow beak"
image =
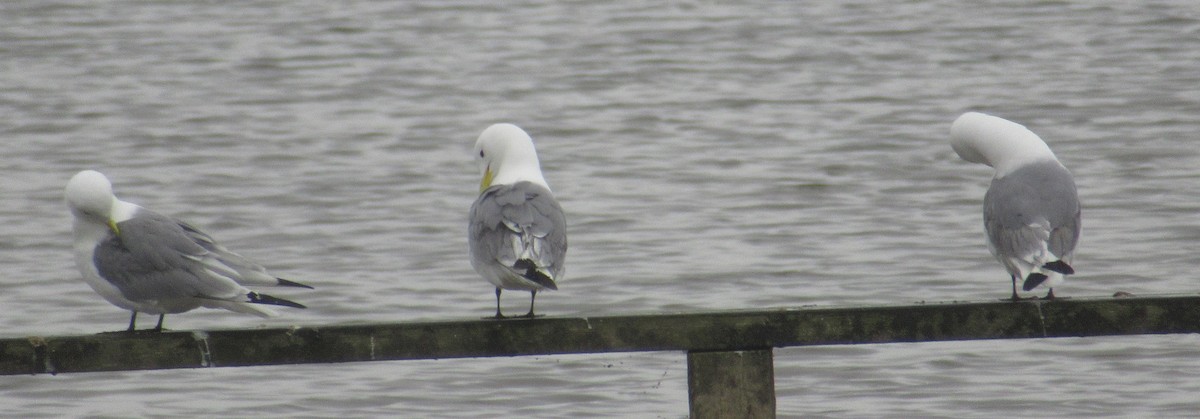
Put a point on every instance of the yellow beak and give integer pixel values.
(487, 180)
(113, 225)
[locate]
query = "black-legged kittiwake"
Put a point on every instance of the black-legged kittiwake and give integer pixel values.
(1031, 210)
(517, 230)
(143, 261)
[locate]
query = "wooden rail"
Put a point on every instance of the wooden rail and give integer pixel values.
(730, 368)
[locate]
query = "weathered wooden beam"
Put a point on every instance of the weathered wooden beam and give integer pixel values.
(706, 331)
(731, 384)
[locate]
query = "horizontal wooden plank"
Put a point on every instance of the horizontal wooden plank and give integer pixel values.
(701, 331)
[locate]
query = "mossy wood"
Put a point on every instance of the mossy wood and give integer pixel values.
(693, 332)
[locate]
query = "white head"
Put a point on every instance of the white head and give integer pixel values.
(89, 195)
(505, 155)
(1002, 144)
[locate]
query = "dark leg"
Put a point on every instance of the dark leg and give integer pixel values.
(1014, 296)
(132, 319)
(160, 319)
(498, 315)
(1050, 295)
(532, 295)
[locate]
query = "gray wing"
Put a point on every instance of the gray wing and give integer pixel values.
(232, 265)
(1033, 205)
(153, 258)
(523, 221)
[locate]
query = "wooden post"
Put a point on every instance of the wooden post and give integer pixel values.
(731, 384)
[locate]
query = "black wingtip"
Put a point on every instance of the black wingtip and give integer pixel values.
(1033, 280)
(257, 298)
(286, 283)
(1060, 267)
(533, 274)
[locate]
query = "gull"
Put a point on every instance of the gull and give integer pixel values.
(516, 231)
(143, 261)
(1031, 210)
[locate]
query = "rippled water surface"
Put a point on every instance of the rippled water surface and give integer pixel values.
(709, 156)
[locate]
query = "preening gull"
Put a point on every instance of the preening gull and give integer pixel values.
(517, 231)
(143, 261)
(1031, 210)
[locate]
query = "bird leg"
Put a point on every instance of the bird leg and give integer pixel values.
(498, 315)
(1050, 295)
(132, 319)
(159, 328)
(532, 296)
(1015, 297)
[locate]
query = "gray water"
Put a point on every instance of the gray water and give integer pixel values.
(709, 156)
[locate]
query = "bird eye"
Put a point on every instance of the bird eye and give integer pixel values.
(480, 153)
